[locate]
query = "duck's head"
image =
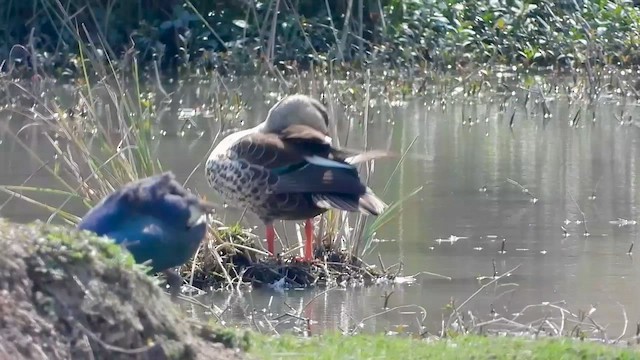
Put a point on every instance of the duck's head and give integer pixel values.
(297, 110)
(165, 198)
(158, 197)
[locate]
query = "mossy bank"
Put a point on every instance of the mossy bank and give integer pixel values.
(66, 294)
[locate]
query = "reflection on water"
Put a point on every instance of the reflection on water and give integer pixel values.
(474, 167)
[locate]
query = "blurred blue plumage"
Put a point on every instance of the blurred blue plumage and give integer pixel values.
(155, 218)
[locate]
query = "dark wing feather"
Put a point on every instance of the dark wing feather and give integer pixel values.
(314, 141)
(320, 179)
(291, 145)
(266, 150)
(286, 155)
(282, 150)
(307, 135)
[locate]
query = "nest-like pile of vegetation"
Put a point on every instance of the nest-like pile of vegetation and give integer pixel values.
(229, 258)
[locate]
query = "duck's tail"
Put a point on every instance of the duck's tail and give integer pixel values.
(370, 204)
(366, 156)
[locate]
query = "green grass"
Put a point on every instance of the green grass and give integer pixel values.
(336, 346)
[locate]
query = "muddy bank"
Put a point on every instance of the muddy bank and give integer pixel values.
(68, 295)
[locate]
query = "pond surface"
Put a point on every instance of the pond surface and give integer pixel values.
(471, 219)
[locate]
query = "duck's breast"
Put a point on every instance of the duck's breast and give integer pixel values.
(232, 172)
(240, 183)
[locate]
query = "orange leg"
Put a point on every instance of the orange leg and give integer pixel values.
(271, 239)
(308, 246)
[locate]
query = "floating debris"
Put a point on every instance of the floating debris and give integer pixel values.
(376, 240)
(404, 279)
(623, 222)
(451, 239)
(186, 113)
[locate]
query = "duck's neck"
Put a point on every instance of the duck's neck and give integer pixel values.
(230, 140)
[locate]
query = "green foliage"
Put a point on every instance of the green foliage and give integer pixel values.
(243, 36)
(335, 346)
(231, 338)
(84, 247)
(508, 31)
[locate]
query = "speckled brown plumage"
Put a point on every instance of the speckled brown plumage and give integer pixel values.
(286, 167)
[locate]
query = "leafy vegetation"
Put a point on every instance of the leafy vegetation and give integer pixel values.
(245, 37)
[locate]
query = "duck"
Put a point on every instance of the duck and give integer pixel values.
(156, 219)
(286, 168)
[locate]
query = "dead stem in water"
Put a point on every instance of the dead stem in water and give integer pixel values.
(557, 320)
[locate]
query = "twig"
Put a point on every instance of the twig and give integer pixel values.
(113, 348)
(386, 296)
(361, 322)
(626, 322)
(508, 273)
(382, 267)
(524, 189)
(584, 218)
(430, 273)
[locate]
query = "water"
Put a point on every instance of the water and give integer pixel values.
(457, 224)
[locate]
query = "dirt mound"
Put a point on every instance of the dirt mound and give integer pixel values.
(69, 295)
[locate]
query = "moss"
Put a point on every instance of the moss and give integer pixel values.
(69, 294)
(232, 338)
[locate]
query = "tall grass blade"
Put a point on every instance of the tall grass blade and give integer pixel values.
(392, 211)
